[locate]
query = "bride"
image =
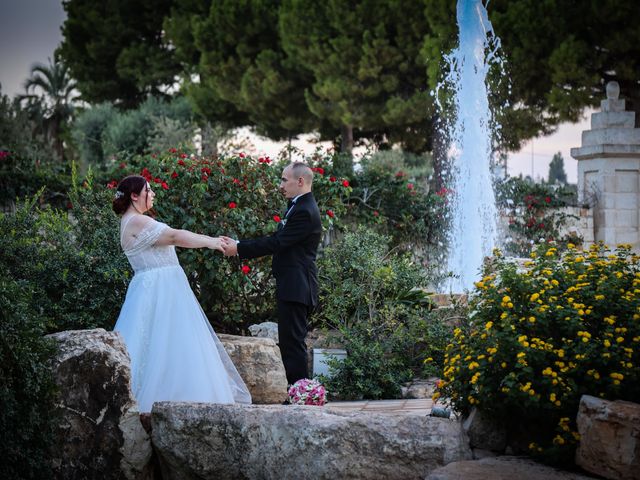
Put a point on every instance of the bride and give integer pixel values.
(175, 354)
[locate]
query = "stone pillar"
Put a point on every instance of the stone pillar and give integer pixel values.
(609, 171)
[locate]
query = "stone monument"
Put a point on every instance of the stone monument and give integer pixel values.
(609, 171)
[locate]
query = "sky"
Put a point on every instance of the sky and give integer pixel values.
(30, 32)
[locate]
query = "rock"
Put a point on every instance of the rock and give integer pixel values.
(502, 468)
(99, 434)
(484, 433)
(208, 441)
(609, 438)
(259, 363)
(420, 388)
(265, 330)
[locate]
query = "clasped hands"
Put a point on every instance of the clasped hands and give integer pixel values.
(227, 245)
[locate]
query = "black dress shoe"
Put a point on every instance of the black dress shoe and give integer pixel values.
(286, 402)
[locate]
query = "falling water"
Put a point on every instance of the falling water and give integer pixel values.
(473, 231)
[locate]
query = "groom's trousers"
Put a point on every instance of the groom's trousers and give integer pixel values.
(292, 330)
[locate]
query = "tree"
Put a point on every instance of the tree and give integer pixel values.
(115, 49)
(243, 79)
(368, 71)
(556, 170)
(559, 56)
(50, 97)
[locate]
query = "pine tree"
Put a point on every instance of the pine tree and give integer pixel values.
(556, 170)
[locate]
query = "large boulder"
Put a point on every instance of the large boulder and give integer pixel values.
(265, 330)
(208, 441)
(259, 363)
(502, 468)
(99, 434)
(609, 438)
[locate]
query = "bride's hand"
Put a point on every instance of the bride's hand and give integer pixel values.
(217, 244)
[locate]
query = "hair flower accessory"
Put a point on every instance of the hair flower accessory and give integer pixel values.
(119, 194)
(307, 392)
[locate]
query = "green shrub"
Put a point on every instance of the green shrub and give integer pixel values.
(542, 336)
(374, 298)
(26, 384)
(395, 200)
(73, 264)
(27, 161)
(536, 213)
(88, 132)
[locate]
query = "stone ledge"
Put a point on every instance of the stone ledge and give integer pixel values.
(208, 441)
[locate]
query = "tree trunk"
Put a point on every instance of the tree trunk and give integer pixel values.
(209, 141)
(346, 132)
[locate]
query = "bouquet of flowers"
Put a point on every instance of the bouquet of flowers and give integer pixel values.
(307, 392)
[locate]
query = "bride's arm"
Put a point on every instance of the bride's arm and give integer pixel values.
(187, 239)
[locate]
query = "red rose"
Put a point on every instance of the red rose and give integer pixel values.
(330, 213)
(236, 181)
(345, 183)
(375, 213)
(233, 204)
(246, 269)
(332, 179)
(123, 165)
(165, 186)
(276, 218)
(399, 174)
(206, 170)
(181, 162)
(183, 155)
(112, 184)
(547, 199)
(174, 174)
(172, 150)
(241, 155)
(204, 177)
(410, 186)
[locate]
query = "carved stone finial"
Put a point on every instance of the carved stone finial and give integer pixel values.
(613, 90)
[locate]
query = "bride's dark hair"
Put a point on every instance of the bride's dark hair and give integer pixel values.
(127, 186)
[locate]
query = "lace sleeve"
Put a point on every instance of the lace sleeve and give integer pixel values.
(145, 238)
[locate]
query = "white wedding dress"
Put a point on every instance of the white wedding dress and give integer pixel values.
(175, 354)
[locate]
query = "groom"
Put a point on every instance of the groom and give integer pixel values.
(293, 246)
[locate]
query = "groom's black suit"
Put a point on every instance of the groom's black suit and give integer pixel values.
(294, 247)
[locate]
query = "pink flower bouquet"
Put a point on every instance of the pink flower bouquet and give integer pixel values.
(307, 392)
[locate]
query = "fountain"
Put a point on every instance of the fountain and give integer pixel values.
(473, 231)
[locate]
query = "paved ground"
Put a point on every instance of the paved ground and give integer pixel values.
(420, 406)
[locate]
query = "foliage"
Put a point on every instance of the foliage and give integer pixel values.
(73, 264)
(376, 299)
(27, 161)
(556, 170)
(115, 49)
(245, 79)
(368, 72)
(541, 336)
(103, 134)
(395, 199)
(236, 196)
(88, 133)
(26, 385)
(536, 213)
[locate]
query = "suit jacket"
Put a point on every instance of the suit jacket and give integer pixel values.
(294, 248)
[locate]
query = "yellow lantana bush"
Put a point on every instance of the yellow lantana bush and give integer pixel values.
(541, 335)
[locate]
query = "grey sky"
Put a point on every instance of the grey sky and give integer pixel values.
(29, 33)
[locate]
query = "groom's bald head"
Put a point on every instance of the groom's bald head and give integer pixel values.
(296, 179)
(300, 169)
